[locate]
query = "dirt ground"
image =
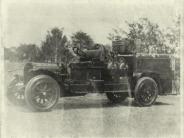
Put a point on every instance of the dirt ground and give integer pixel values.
(94, 116)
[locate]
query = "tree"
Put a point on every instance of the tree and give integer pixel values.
(55, 46)
(10, 54)
(149, 35)
(30, 52)
(172, 36)
(82, 40)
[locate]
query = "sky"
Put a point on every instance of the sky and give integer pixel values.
(27, 21)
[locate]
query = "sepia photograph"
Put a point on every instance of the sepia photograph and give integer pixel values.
(91, 68)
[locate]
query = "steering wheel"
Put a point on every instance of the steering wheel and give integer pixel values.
(79, 52)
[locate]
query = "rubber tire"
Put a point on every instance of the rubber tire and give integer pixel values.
(28, 92)
(137, 91)
(114, 99)
(10, 91)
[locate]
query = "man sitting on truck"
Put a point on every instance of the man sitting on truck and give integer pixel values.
(98, 52)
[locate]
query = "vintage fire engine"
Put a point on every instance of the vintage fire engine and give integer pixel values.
(142, 77)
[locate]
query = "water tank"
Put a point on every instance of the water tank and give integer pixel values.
(122, 46)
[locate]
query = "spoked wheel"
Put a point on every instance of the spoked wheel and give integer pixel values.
(15, 92)
(117, 97)
(42, 93)
(146, 91)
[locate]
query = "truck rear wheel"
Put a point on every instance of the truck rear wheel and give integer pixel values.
(146, 91)
(42, 93)
(117, 97)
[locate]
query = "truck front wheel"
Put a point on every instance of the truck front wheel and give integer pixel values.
(146, 91)
(42, 93)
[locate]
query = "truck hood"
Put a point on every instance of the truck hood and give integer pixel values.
(44, 66)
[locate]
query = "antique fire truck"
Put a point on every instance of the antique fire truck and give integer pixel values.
(121, 74)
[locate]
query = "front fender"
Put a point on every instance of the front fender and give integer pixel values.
(33, 69)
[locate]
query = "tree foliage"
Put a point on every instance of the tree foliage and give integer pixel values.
(82, 40)
(148, 37)
(28, 51)
(172, 36)
(55, 46)
(10, 54)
